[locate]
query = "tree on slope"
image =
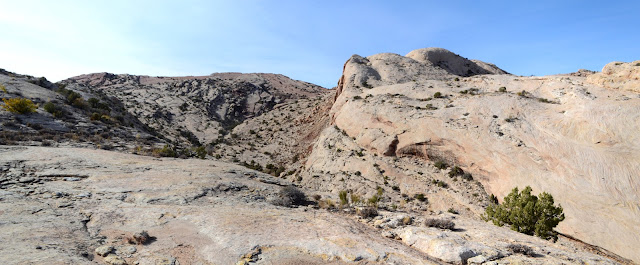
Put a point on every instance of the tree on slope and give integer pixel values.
(527, 213)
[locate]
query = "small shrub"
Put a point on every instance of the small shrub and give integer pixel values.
(19, 105)
(467, 176)
(440, 223)
(289, 196)
(502, 89)
(544, 100)
(527, 214)
(355, 199)
(420, 197)
(510, 119)
(521, 249)
(50, 107)
(201, 152)
(452, 211)
(437, 95)
(455, 171)
(343, 198)
(357, 97)
(637, 64)
(93, 102)
(456, 79)
(326, 204)
(440, 165)
(440, 183)
(523, 93)
(367, 212)
(373, 201)
(165, 151)
(79, 103)
(3, 88)
(95, 116)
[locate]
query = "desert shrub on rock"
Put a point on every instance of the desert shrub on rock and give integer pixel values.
(19, 105)
(367, 212)
(521, 249)
(456, 171)
(165, 151)
(53, 109)
(290, 196)
(440, 164)
(527, 213)
(440, 223)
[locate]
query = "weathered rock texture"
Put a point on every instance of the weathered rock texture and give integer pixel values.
(377, 137)
(206, 106)
(82, 206)
(560, 134)
(618, 75)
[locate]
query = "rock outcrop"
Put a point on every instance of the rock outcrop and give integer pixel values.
(560, 134)
(618, 75)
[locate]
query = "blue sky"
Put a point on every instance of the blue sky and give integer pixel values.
(308, 40)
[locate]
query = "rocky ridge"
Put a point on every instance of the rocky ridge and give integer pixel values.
(559, 134)
(380, 133)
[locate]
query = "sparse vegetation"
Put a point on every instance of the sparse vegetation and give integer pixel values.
(440, 164)
(165, 151)
(343, 198)
(452, 211)
(440, 223)
(290, 196)
(367, 212)
(326, 204)
(523, 93)
(527, 213)
(19, 105)
(52, 108)
(502, 89)
(455, 171)
(544, 100)
(420, 197)
(440, 183)
(521, 249)
(437, 95)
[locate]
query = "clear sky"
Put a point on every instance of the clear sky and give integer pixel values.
(307, 40)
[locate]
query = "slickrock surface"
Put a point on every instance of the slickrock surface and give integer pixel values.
(62, 203)
(81, 206)
(394, 116)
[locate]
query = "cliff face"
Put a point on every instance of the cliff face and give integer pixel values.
(571, 136)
